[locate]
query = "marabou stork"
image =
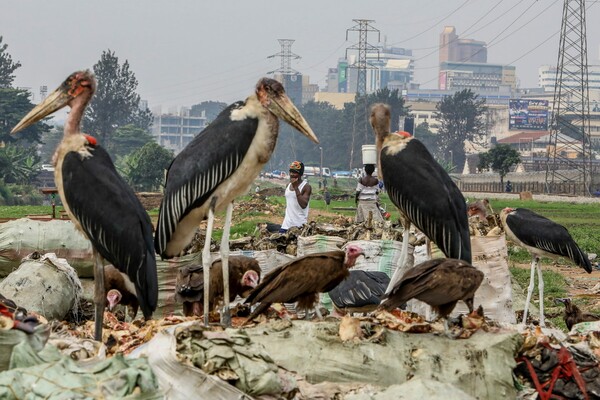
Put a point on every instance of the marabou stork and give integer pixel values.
(218, 165)
(97, 199)
(540, 237)
(422, 191)
(360, 292)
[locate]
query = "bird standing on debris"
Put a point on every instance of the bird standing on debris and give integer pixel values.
(218, 165)
(244, 275)
(573, 315)
(541, 237)
(422, 191)
(301, 280)
(97, 199)
(360, 292)
(441, 283)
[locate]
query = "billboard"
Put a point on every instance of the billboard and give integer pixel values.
(528, 114)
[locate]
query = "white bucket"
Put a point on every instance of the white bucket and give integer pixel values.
(369, 154)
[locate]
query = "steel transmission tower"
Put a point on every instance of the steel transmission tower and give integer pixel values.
(363, 27)
(286, 57)
(569, 163)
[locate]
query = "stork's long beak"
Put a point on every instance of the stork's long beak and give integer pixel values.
(54, 102)
(283, 107)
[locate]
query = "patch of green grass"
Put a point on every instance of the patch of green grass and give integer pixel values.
(23, 211)
(554, 287)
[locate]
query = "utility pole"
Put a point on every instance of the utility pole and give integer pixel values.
(569, 154)
(286, 56)
(363, 27)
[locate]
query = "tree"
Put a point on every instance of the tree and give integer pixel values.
(501, 158)
(115, 103)
(18, 164)
(144, 169)
(460, 119)
(14, 105)
(128, 139)
(425, 136)
(7, 67)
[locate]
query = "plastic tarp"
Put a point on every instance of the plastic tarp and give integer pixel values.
(46, 373)
(44, 284)
(481, 366)
(24, 236)
(180, 381)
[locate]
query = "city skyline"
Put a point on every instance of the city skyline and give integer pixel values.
(186, 52)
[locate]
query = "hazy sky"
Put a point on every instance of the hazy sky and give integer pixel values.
(187, 51)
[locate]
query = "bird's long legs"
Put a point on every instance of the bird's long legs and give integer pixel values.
(99, 296)
(225, 314)
(403, 258)
(541, 289)
(206, 259)
(530, 289)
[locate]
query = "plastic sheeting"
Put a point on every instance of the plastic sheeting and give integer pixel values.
(24, 236)
(44, 284)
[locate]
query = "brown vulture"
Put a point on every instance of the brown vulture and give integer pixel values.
(119, 290)
(573, 315)
(441, 283)
(541, 237)
(480, 208)
(360, 292)
(244, 275)
(302, 279)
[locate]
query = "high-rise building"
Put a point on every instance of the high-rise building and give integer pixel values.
(175, 130)
(452, 48)
(476, 76)
(547, 77)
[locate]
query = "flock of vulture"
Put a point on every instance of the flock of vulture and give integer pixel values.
(219, 165)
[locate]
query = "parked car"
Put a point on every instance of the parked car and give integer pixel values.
(342, 174)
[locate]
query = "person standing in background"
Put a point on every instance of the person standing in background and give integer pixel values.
(297, 197)
(367, 200)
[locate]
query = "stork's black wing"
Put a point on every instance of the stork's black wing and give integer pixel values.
(537, 231)
(424, 192)
(209, 159)
(113, 219)
(360, 289)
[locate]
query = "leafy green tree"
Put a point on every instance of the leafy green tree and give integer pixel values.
(116, 102)
(7, 66)
(128, 139)
(501, 158)
(425, 136)
(18, 164)
(394, 100)
(144, 169)
(460, 117)
(49, 143)
(14, 105)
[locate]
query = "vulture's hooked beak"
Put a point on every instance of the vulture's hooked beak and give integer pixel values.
(560, 301)
(54, 102)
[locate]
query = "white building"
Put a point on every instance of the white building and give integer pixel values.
(176, 129)
(547, 77)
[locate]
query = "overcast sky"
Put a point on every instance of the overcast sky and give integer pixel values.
(187, 51)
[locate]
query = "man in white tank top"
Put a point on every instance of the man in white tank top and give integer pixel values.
(297, 196)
